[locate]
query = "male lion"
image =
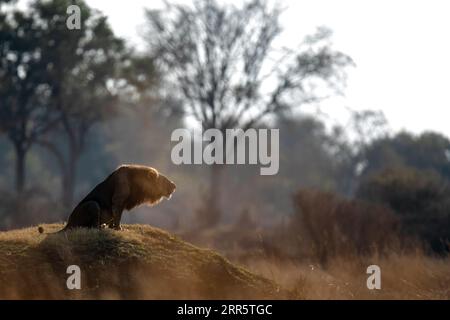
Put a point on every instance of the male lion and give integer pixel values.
(126, 188)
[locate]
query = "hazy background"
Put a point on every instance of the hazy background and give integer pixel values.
(365, 170)
(400, 49)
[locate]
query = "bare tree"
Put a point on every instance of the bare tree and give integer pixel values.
(223, 61)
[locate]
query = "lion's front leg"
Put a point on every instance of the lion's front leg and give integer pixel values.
(118, 201)
(116, 221)
(117, 216)
(121, 194)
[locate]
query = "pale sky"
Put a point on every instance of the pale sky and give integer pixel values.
(401, 49)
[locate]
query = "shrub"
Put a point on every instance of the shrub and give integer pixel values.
(421, 199)
(332, 226)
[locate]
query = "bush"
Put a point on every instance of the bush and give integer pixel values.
(332, 226)
(421, 199)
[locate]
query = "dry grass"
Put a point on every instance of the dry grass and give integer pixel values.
(147, 263)
(403, 276)
(139, 263)
(405, 273)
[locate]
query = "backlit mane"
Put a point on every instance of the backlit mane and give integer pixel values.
(144, 186)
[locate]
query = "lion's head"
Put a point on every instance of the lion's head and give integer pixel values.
(147, 186)
(166, 186)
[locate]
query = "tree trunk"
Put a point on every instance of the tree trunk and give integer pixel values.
(69, 180)
(20, 216)
(210, 214)
(68, 168)
(20, 169)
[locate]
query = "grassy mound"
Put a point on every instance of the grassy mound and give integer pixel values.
(140, 262)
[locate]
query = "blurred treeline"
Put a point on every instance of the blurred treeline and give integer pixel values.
(74, 104)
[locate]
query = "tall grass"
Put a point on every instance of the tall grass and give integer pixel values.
(403, 276)
(323, 250)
